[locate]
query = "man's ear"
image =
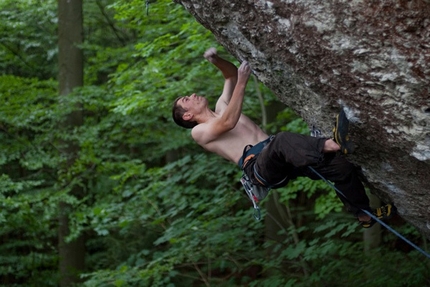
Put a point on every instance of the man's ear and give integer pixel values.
(187, 116)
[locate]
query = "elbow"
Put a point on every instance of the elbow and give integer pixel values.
(229, 125)
(232, 80)
(225, 126)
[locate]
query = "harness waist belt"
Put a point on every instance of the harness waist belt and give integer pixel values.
(256, 149)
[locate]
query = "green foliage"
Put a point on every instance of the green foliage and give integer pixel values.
(28, 46)
(156, 209)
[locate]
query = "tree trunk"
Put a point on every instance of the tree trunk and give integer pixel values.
(70, 60)
(372, 236)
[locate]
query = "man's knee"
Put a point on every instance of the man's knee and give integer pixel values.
(347, 170)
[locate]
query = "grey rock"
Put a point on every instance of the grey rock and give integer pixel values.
(373, 58)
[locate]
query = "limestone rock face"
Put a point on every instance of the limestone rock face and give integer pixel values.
(372, 57)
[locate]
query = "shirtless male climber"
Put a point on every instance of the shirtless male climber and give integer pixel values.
(269, 161)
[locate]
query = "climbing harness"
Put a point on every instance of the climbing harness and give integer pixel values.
(315, 132)
(253, 191)
(374, 217)
(249, 151)
(248, 186)
(147, 2)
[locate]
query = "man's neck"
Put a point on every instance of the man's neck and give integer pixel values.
(205, 116)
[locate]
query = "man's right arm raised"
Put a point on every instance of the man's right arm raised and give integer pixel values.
(229, 72)
(229, 117)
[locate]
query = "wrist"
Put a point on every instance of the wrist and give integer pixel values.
(213, 58)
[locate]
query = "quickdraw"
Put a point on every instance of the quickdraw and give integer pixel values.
(247, 185)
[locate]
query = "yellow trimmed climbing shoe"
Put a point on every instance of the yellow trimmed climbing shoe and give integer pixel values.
(367, 224)
(385, 211)
(340, 133)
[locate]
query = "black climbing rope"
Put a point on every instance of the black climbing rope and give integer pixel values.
(374, 217)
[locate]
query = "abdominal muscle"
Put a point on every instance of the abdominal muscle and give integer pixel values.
(231, 144)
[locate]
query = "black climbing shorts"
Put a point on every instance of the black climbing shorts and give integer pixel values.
(287, 156)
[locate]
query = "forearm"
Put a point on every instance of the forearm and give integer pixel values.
(227, 68)
(231, 115)
(233, 111)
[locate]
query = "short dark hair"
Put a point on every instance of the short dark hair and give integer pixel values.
(178, 112)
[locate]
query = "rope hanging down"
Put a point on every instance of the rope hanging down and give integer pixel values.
(374, 217)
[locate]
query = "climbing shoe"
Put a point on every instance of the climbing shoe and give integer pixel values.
(340, 133)
(385, 211)
(367, 224)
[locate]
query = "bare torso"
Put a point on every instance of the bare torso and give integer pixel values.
(230, 145)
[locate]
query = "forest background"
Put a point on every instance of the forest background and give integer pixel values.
(100, 188)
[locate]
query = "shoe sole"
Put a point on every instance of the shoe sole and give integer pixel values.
(391, 210)
(340, 132)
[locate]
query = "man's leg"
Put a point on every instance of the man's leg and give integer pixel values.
(345, 177)
(289, 155)
(286, 154)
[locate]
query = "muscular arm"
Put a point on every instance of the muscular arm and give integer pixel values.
(228, 116)
(229, 71)
(232, 112)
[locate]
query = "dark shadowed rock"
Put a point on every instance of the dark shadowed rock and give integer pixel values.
(373, 57)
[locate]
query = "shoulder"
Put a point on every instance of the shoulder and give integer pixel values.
(204, 133)
(199, 133)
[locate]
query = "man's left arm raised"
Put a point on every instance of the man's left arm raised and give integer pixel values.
(229, 72)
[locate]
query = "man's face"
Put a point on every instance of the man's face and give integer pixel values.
(193, 103)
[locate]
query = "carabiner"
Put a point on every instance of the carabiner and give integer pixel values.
(257, 213)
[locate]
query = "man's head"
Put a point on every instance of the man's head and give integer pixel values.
(185, 108)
